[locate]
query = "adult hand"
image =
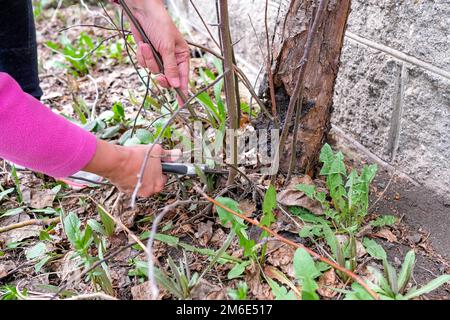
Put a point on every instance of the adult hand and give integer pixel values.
(122, 165)
(167, 40)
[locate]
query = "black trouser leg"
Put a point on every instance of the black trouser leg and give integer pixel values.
(18, 49)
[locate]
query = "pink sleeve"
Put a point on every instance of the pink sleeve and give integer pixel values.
(33, 136)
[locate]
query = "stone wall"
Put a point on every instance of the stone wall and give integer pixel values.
(393, 89)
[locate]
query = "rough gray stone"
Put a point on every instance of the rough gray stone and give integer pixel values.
(364, 94)
(418, 28)
(424, 149)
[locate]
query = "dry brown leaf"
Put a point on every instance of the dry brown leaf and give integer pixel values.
(187, 228)
(386, 234)
(128, 217)
(218, 236)
(260, 290)
(360, 250)
(205, 290)
(118, 240)
(19, 234)
(247, 207)
(326, 280)
(282, 257)
(70, 270)
(293, 197)
(290, 223)
(142, 292)
(6, 267)
(127, 214)
(204, 232)
(119, 277)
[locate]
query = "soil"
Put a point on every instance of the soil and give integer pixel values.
(424, 221)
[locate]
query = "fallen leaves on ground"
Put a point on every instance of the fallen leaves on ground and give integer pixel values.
(327, 281)
(386, 234)
(204, 232)
(290, 196)
(18, 234)
(281, 255)
(42, 199)
(247, 207)
(205, 290)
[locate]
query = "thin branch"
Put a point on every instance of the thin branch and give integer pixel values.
(93, 296)
(133, 130)
(94, 104)
(204, 23)
(269, 65)
(33, 222)
(90, 26)
(245, 81)
(229, 82)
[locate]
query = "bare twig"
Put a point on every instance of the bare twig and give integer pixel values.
(229, 82)
(81, 25)
(94, 104)
(269, 65)
(33, 222)
(204, 24)
(245, 81)
(382, 193)
(93, 296)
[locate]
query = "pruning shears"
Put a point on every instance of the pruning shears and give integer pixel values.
(188, 169)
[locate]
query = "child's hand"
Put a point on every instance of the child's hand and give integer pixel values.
(122, 165)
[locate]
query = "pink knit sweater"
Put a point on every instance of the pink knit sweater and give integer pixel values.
(33, 136)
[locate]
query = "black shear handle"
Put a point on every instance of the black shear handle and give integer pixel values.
(175, 168)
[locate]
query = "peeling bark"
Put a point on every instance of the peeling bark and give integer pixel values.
(320, 77)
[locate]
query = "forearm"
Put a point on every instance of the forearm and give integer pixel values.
(33, 136)
(144, 5)
(108, 158)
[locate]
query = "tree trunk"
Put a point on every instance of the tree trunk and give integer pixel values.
(320, 76)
